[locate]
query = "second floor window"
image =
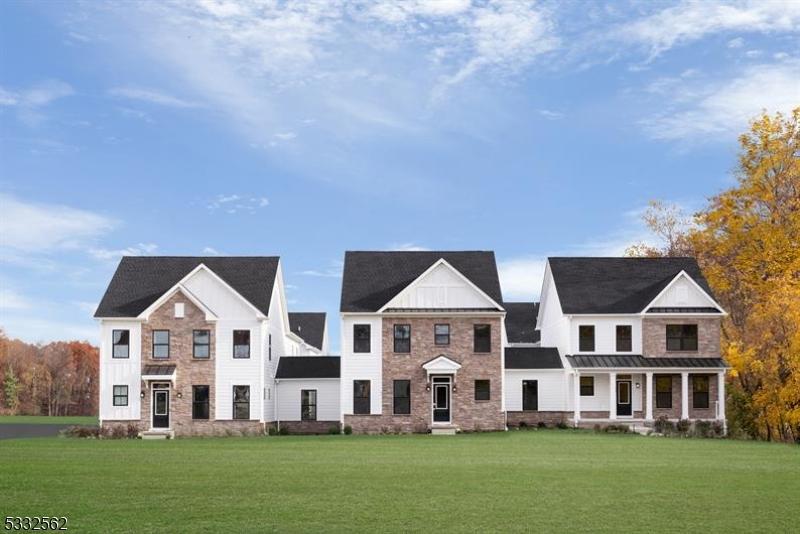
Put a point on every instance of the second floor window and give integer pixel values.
(241, 402)
(241, 343)
(121, 343)
(624, 338)
(402, 338)
(161, 344)
(681, 337)
(586, 338)
(663, 392)
(441, 334)
(361, 337)
(201, 343)
(361, 400)
(308, 405)
(483, 338)
(700, 391)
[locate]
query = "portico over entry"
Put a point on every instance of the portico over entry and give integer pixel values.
(441, 365)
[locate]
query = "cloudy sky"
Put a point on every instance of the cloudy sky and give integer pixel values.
(303, 130)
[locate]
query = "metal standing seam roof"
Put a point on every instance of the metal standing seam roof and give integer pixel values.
(638, 361)
(158, 370)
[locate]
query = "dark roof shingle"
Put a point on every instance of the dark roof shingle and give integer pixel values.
(521, 322)
(141, 280)
(371, 279)
(532, 358)
(308, 367)
(637, 360)
(617, 285)
(310, 326)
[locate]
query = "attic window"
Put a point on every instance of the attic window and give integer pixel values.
(179, 311)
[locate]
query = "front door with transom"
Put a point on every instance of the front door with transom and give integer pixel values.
(160, 408)
(441, 399)
(624, 406)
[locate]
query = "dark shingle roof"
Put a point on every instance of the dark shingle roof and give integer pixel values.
(140, 281)
(617, 285)
(532, 358)
(371, 279)
(308, 367)
(521, 322)
(636, 360)
(310, 326)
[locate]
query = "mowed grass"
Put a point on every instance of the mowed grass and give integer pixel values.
(48, 420)
(550, 480)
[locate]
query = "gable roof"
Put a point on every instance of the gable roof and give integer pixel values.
(532, 358)
(309, 326)
(372, 279)
(617, 285)
(308, 367)
(521, 322)
(140, 280)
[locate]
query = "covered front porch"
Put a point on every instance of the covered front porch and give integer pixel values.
(634, 389)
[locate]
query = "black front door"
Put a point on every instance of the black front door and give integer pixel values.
(624, 406)
(441, 403)
(161, 408)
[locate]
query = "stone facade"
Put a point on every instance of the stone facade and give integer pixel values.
(654, 336)
(310, 427)
(467, 414)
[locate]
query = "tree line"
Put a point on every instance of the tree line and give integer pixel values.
(59, 378)
(747, 241)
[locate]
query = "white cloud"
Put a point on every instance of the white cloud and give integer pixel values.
(238, 203)
(334, 271)
(736, 43)
(407, 247)
(140, 249)
(521, 278)
(36, 96)
(39, 227)
(714, 108)
(11, 300)
(210, 251)
(550, 114)
(151, 96)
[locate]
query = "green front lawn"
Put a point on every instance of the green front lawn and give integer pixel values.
(48, 420)
(522, 480)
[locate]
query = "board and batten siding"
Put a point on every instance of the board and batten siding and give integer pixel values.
(552, 389)
(361, 366)
(238, 371)
(288, 398)
(683, 293)
(440, 288)
(120, 371)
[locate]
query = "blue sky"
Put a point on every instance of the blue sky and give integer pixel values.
(303, 130)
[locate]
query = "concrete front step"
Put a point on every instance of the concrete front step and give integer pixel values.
(157, 434)
(443, 431)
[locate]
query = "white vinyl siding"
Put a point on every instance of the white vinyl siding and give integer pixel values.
(120, 371)
(361, 365)
(552, 389)
(288, 400)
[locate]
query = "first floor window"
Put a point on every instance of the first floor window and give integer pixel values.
(587, 386)
(199, 402)
(308, 405)
(120, 341)
(700, 391)
(482, 390)
(624, 338)
(201, 343)
(120, 395)
(530, 395)
(361, 337)
(402, 338)
(269, 347)
(361, 396)
(161, 344)
(402, 397)
(441, 334)
(663, 392)
(681, 337)
(483, 338)
(586, 338)
(241, 343)
(241, 402)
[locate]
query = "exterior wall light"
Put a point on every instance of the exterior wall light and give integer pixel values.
(180, 395)
(141, 394)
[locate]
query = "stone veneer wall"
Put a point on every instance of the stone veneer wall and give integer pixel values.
(310, 427)
(654, 336)
(533, 418)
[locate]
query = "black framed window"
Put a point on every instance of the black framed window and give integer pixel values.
(402, 397)
(586, 338)
(241, 343)
(241, 402)
(624, 338)
(681, 337)
(441, 334)
(700, 391)
(362, 337)
(121, 343)
(120, 395)
(663, 392)
(483, 390)
(402, 338)
(308, 405)
(161, 344)
(482, 334)
(201, 343)
(269, 347)
(587, 386)
(530, 395)
(361, 396)
(200, 402)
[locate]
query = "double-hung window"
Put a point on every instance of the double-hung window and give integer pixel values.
(663, 392)
(308, 405)
(241, 344)
(700, 391)
(201, 344)
(402, 397)
(161, 344)
(120, 395)
(441, 334)
(241, 402)
(361, 338)
(200, 402)
(483, 390)
(361, 397)
(482, 338)
(402, 338)
(587, 386)
(586, 338)
(624, 338)
(121, 342)
(530, 395)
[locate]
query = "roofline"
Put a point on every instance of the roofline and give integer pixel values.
(307, 377)
(651, 369)
(696, 285)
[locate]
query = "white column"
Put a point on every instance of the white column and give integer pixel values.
(721, 396)
(612, 395)
(576, 404)
(685, 395)
(648, 383)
